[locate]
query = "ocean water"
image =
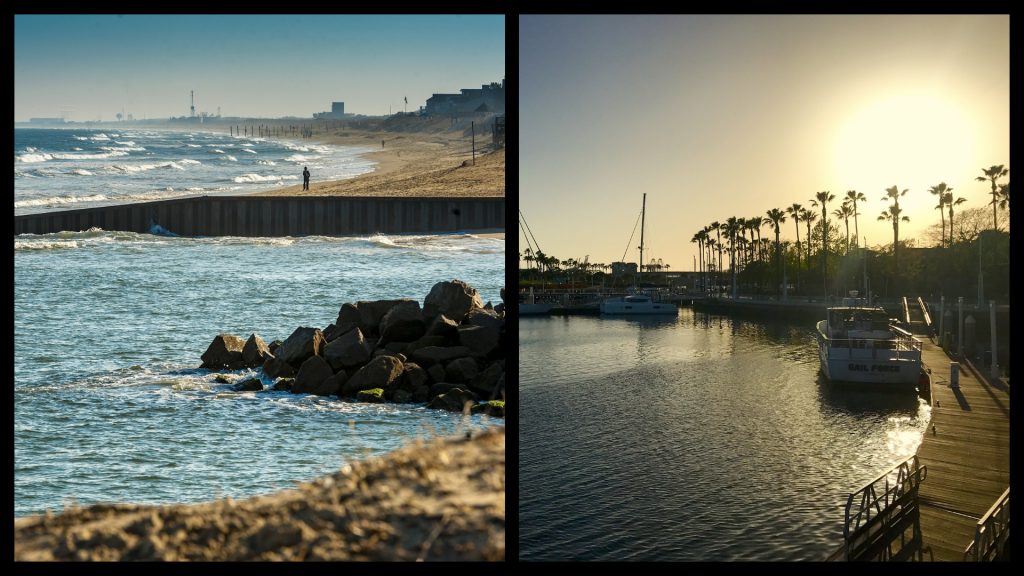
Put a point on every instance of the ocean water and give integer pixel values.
(61, 169)
(109, 327)
(697, 438)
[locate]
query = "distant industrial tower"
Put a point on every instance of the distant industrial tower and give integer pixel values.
(193, 103)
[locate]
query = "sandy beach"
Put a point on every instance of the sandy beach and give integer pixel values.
(419, 157)
(444, 500)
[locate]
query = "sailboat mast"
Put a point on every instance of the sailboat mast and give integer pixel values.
(643, 212)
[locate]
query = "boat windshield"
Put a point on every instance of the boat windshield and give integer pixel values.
(859, 318)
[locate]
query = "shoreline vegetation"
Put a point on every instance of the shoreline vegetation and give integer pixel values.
(438, 501)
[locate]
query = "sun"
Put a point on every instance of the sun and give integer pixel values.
(910, 139)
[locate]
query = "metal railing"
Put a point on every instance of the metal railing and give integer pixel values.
(992, 533)
(881, 509)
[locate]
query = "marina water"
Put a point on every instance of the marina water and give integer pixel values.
(702, 437)
(109, 405)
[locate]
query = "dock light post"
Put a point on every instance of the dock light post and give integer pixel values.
(992, 322)
(942, 318)
(960, 338)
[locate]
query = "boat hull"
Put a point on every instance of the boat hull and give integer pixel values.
(866, 363)
(631, 308)
(534, 309)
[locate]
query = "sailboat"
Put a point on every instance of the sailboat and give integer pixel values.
(638, 303)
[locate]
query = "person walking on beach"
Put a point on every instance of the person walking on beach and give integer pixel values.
(305, 178)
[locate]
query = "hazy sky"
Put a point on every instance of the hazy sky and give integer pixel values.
(719, 116)
(271, 65)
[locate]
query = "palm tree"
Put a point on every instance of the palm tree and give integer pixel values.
(699, 239)
(893, 214)
(824, 197)
(948, 200)
(718, 227)
(993, 173)
(809, 217)
(843, 213)
(732, 225)
(776, 217)
(940, 191)
(852, 196)
(1004, 196)
(796, 211)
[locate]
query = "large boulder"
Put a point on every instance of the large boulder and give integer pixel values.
(303, 343)
(273, 346)
(424, 342)
(485, 380)
(435, 354)
(454, 400)
(460, 370)
(491, 408)
(348, 318)
(224, 352)
(402, 397)
(499, 388)
(435, 372)
(483, 317)
(480, 340)
(421, 394)
(277, 368)
(284, 385)
(255, 351)
(347, 350)
(414, 376)
(312, 374)
(371, 312)
(444, 327)
(381, 372)
(453, 299)
(403, 323)
(248, 385)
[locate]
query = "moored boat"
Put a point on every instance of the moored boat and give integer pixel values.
(859, 343)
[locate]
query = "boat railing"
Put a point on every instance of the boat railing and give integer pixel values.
(882, 510)
(903, 343)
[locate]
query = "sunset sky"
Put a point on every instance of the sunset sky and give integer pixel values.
(719, 116)
(249, 65)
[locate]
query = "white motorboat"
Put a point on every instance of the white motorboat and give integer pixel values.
(859, 343)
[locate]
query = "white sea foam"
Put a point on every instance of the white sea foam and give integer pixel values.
(267, 162)
(29, 158)
(217, 151)
(81, 172)
(193, 145)
(251, 178)
(231, 158)
(58, 200)
(124, 148)
(299, 158)
(248, 150)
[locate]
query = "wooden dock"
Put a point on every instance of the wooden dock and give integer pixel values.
(967, 451)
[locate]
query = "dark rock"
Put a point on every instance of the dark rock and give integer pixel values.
(480, 340)
(255, 351)
(439, 388)
(402, 397)
(273, 346)
(347, 350)
(502, 295)
(434, 354)
(396, 348)
(421, 394)
(403, 322)
(224, 352)
(302, 344)
(314, 371)
(454, 400)
(223, 378)
(348, 319)
(436, 372)
(500, 309)
(499, 389)
(488, 306)
(444, 327)
(373, 395)
(453, 299)
(381, 372)
(460, 370)
(414, 376)
(249, 384)
(371, 313)
(483, 383)
(491, 408)
(275, 368)
(284, 384)
(427, 341)
(483, 317)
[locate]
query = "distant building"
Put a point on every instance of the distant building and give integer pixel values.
(487, 98)
(619, 268)
(46, 120)
(337, 112)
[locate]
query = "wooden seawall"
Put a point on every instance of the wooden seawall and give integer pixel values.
(279, 216)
